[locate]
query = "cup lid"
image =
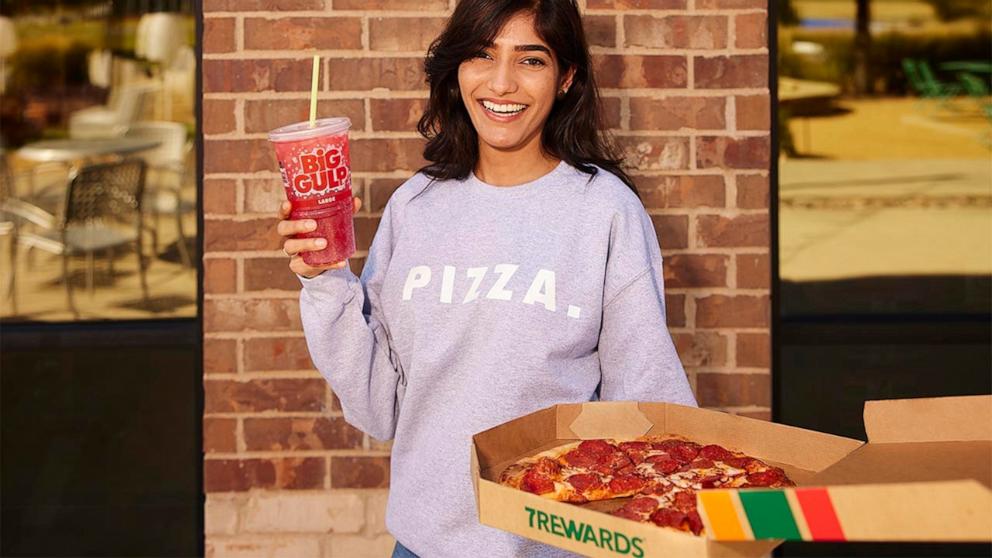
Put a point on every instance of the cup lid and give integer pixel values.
(302, 130)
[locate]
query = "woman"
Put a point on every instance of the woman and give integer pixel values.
(516, 271)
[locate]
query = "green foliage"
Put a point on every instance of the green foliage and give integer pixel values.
(887, 52)
(950, 10)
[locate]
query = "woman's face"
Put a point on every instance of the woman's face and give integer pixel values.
(510, 87)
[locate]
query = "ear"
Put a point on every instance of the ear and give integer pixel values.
(566, 81)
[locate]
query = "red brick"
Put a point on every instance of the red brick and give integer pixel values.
(238, 156)
(220, 276)
(268, 114)
(702, 348)
(601, 30)
(219, 436)
(365, 228)
(672, 230)
(230, 235)
(221, 76)
(264, 195)
(753, 271)
(754, 350)
(752, 191)
(685, 191)
(694, 271)
(300, 434)
(673, 113)
(380, 190)
(287, 395)
(655, 153)
(219, 196)
(731, 232)
(218, 116)
(636, 71)
(753, 112)
(716, 72)
(735, 153)
(398, 115)
(637, 4)
(235, 315)
(610, 107)
(399, 5)
(261, 5)
(675, 310)
(387, 155)
(220, 356)
(676, 31)
(356, 265)
(730, 4)
(218, 35)
(750, 30)
(404, 34)
(300, 33)
(240, 475)
(732, 311)
(359, 472)
(364, 74)
(277, 353)
(269, 273)
(728, 390)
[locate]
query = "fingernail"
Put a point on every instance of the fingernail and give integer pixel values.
(321, 243)
(311, 225)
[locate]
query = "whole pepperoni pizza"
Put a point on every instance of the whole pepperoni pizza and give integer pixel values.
(661, 474)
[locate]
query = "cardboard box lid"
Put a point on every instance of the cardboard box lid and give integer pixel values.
(932, 419)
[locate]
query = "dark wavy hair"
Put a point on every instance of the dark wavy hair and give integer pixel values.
(574, 131)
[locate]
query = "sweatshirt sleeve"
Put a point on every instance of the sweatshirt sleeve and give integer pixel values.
(637, 356)
(348, 339)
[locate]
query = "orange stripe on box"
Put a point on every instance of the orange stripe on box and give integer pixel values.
(719, 506)
(820, 515)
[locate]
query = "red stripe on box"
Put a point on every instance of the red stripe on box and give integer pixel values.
(820, 515)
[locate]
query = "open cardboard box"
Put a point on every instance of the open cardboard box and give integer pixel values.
(924, 475)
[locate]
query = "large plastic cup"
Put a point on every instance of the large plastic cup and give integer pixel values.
(316, 173)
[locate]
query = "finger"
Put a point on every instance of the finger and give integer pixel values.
(284, 209)
(296, 245)
(358, 204)
(290, 228)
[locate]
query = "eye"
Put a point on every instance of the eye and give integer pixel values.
(535, 62)
(482, 54)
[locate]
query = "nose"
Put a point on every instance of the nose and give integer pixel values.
(503, 79)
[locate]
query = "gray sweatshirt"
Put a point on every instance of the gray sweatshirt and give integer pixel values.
(479, 304)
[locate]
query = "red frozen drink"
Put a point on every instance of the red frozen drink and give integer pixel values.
(316, 172)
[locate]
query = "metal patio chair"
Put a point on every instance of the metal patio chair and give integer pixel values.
(102, 214)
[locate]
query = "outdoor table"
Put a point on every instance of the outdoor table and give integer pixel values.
(976, 66)
(68, 150)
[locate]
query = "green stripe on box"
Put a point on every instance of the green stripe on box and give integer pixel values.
(769, 514)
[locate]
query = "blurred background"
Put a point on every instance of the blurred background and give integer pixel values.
(884, 214)
(99, 340)
(98, 199)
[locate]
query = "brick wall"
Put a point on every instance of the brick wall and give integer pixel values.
(685, 89)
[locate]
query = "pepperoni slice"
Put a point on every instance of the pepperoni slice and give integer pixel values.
(622, 484)
(667, 445)
(667, 517)
(702, 463)
(684, 453)
(634, 446)
(596, 447)
(664, 465)
(695, 522)
(547, 467)
(685, 501)
(628, 470)
(536, 483)
(711, 481)
(764, 478)
(715, 452)
(585, 481)
(643, 505)
(739, 462)
(612, 463)
(576, 458)
(626, 513)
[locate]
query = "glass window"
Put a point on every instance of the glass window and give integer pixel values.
(98, 197)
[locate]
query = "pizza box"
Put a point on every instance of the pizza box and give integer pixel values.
(847, 489)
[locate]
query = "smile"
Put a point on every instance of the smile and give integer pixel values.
(502, 112)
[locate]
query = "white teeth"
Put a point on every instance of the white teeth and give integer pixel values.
(508, 108)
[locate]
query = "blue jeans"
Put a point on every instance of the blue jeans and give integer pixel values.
(400, 551)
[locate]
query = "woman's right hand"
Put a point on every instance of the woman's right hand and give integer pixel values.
(293, 247)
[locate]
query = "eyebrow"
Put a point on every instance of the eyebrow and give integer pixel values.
(526, 48)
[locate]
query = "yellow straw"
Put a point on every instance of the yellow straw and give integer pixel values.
(313, 91)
